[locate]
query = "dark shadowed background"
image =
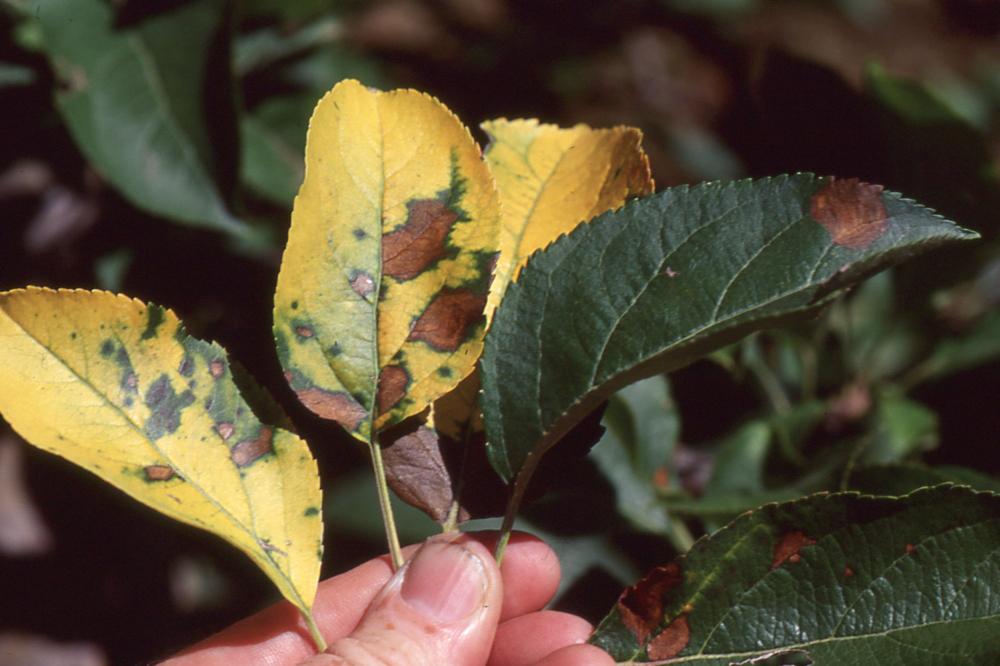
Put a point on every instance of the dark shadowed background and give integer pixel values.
(901, 375)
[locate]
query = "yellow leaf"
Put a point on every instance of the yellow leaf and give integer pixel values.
(117, 387)
(379, 303)
(551, 179)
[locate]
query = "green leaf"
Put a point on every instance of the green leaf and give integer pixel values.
(132, 98)
(849, 580)
(878, 340)
(961, 351)
(269, 45)
(666, 279)
(739, 464)
(903, 428)
(273, 140)
(642, 426)
(905, 477)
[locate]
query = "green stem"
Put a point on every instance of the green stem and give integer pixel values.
(314, 632)
(514, 504)
(385, 505)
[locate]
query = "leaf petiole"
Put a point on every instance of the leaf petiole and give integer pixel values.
(314, 632)
(521, 482)
(391, 536)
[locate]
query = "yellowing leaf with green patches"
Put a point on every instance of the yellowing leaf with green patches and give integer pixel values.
(379, 304)
(117, 387)
(551, 179)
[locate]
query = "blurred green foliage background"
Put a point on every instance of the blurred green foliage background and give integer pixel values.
(155, 147)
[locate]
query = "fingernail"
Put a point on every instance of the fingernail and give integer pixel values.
(444, 582)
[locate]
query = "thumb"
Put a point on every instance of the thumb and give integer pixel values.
(441, 607)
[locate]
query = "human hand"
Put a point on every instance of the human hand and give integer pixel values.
(448, 605)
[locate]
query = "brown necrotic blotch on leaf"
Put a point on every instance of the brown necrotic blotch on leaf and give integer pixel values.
(851, 211)
(641, 606)
(338, 406)
(412, 248)
(158, 472)
(787, 548)
(447, 322)
(392, 383)
(668, 643)
(250, 450)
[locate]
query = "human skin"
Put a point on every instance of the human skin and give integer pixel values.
(449, 605)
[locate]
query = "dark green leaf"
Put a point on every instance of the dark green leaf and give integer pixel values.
(635, 453)
(903, 478)
(132, 98)
(268, 45)
(878, 341)
(668, 278)
(273, 141)
(739, 463)
(315, 70)
(902, 428)
(962, 351)
(849, 580)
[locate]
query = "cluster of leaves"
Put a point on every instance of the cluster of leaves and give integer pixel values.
(384, 298)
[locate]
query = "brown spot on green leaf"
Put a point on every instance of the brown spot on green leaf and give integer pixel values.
(412, 248)
(250, 450)
(225, 430)
(447, 321)
(668, 643)
(217, 368)
(158, 472)
(851, 211)
(392, 383)
(787, 548)
(304, 332)
(641, 606)
(338, 406)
